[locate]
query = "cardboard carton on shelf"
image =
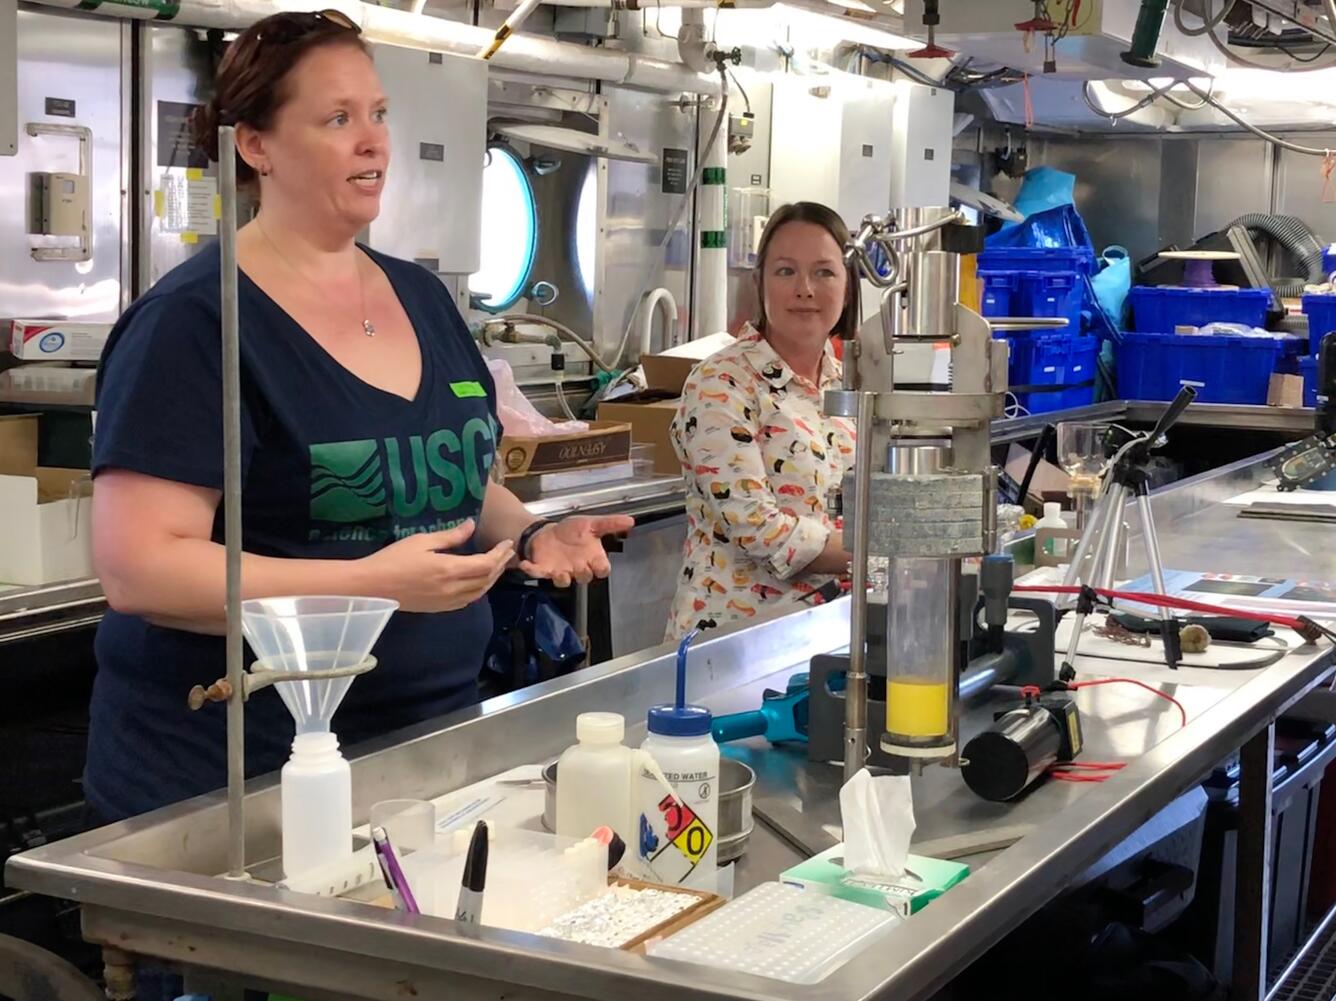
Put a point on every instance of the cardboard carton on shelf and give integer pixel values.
(46, 512)
(668, 370)
(57, 340)
(605, 442)
(650, 416)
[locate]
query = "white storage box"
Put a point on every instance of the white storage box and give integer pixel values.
(47, 513)
(57, 340)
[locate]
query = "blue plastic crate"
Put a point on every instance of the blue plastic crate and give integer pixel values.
(1329, 259)
(1035, 293)
(1294, 349)
(1078, 259)
(1041, 359)
(1161, 309)
(1308, 369)
(1321, 312)
(1223, 368)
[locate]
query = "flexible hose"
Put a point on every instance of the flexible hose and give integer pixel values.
(1209, 20)
(564, 331)
(1296, 237)
(560, 383)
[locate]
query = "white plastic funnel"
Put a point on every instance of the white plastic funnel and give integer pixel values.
(315, 633)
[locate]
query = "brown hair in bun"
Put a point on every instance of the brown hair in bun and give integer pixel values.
(249, 85)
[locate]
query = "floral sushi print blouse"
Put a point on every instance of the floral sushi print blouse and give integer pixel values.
(759, 459)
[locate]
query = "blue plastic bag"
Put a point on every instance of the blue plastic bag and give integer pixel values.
(1112, 284)
(1044, 188)
(531, 641)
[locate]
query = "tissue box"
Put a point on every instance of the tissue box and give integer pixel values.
(924, 879)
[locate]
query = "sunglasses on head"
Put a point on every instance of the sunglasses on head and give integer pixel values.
(288, 27)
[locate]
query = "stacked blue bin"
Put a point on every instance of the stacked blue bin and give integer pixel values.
(1154, 362)
(1320, 308)
(1049, 369)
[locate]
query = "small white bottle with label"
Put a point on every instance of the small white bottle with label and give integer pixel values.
(1053, 519)
(317, 804)
(677, 840)
(594, 778)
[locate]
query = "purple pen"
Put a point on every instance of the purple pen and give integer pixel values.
(394, 876)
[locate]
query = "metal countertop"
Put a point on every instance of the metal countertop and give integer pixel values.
(146, 884)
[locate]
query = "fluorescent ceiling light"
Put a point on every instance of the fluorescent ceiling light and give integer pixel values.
(828, 30)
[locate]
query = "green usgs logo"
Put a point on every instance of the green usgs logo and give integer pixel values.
(361, 481)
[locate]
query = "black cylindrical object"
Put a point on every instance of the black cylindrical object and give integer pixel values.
(1146, 34)
(1325, 416)
(1001, 763)
(995, 579)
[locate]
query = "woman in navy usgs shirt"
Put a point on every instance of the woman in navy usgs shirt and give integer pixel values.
(368, 429)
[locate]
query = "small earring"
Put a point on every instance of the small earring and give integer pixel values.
(264, 171)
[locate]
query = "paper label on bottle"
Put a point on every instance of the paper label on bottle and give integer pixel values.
(674, 838)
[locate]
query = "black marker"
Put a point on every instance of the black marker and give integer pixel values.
(469, 909)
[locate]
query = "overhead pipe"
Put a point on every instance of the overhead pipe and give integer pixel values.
(522, 53)
(508, 27)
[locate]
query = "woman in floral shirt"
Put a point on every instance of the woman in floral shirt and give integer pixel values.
(757, 453)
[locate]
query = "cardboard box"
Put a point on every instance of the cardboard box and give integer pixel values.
(57, 340)
(924, 880)
(667, 373)
(47, 513)
(1285, 391)
(18, 444)
(668, 370)
(603, 443)
(649, 422)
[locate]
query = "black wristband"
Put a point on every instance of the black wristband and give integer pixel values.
(526, 537)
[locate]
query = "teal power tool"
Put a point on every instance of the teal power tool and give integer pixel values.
(782, 716)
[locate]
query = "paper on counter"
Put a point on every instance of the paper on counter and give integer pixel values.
(1268, 494)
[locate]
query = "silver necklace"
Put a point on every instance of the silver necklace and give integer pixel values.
(368, 327)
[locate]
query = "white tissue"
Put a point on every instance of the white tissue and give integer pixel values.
(878, 817)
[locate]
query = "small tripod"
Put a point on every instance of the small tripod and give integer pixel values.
(1100, 546)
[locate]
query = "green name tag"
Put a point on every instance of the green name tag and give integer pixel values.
(465, 390)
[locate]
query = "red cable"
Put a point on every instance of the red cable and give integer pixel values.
(1071, 771)
(1173, 601)
(1183, 713)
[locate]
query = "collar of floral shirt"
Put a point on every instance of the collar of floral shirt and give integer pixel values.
(762, 356)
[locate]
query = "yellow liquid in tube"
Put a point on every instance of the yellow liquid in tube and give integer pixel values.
(916, 708)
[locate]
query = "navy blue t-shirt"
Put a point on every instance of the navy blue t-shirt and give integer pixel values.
(333, 468)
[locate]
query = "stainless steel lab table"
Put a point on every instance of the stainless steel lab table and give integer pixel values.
(148, 887)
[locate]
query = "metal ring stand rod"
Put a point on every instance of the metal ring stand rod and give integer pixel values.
(236, 733)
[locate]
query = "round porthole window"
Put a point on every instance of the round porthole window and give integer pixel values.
(586, 229)
(509, 232)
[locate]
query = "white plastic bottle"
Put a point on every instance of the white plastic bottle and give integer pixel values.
(317, 797)
(594, 778)
(1053, 519)
(677, 841)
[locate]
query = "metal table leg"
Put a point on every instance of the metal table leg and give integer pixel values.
(1252, 894)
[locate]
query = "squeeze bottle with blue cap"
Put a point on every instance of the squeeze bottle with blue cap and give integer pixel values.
(676, 843)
